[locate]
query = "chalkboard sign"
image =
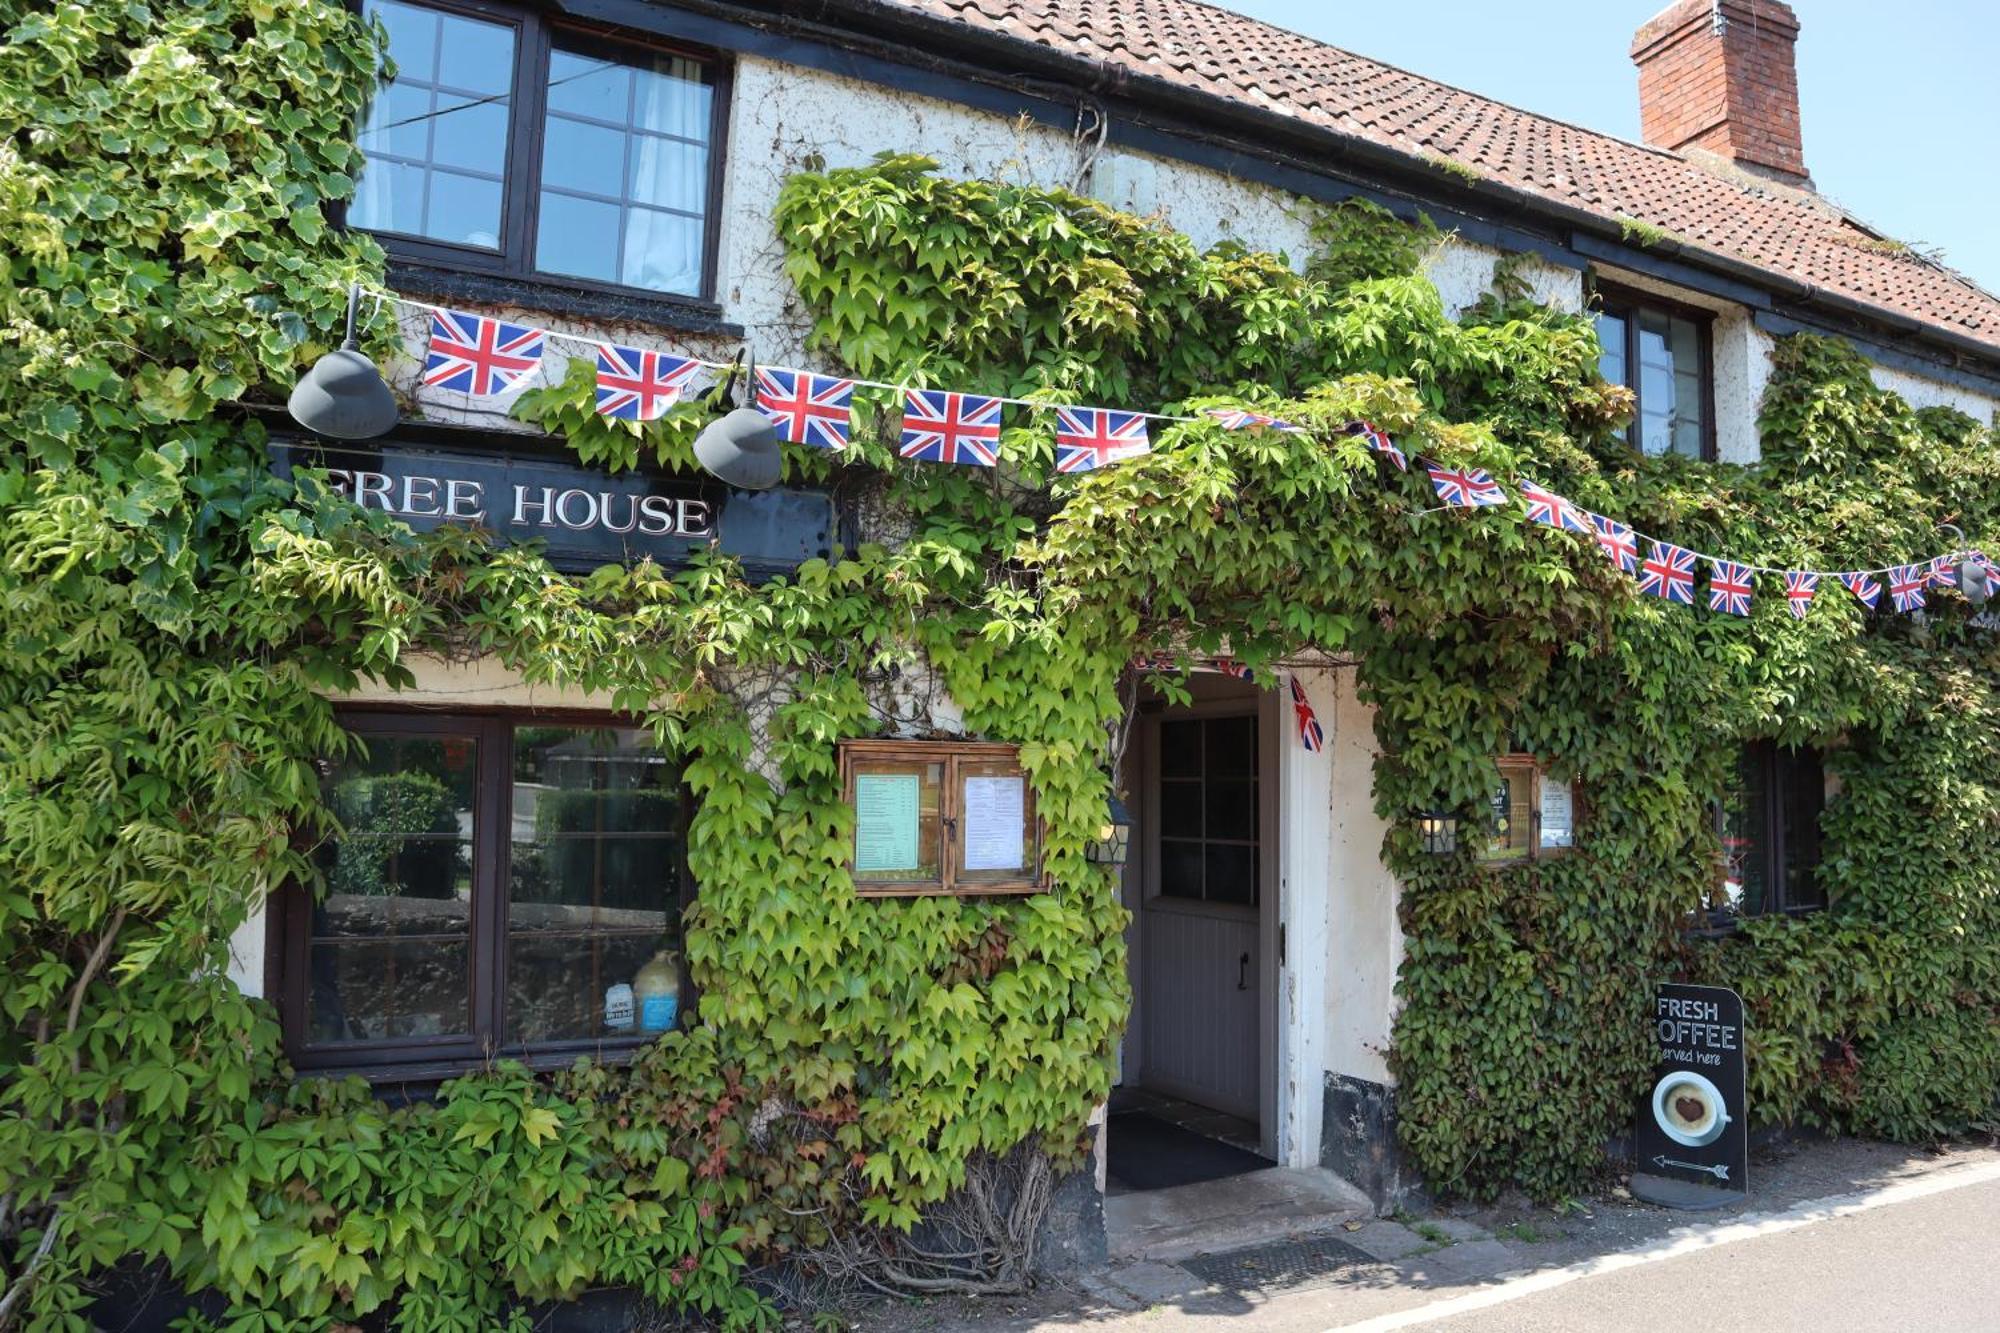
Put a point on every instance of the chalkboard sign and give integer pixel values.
(1691, 1146)
(585, 517)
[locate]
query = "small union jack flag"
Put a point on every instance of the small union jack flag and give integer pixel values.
(1669, 573)
(1865, 587)
(806, 408)
(1311, 734)
(1229, 666)
(1799, 589)
(1155, 662)
(1378, 439)
(940, 427)
(1242, 418)
(1729, 587)
(1089, 437)
(1906, 586)
(1465, 487)
(1620, 546)
(1944, 570)
(637, 385)
(475, 355)
(1551, 510)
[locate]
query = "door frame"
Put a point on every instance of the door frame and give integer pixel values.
(1143, 759)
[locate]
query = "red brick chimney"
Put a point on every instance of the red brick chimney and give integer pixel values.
(1718, 76)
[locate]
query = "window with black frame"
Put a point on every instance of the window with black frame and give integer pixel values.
(1768, 820)
(509, 144)
(496, 885)
(1661, 352)
(1209, 849)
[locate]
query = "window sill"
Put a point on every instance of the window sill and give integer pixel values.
(557, 297)
(418, 1077)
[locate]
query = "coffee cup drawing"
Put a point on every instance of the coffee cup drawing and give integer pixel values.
(1689, 1109)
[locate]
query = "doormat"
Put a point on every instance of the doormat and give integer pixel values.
(1148, 1153)
(1286, 1265)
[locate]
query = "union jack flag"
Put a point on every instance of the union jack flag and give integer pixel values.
(1378, 439)
(1669, 573)
(1311, 734)
(1551, 510)
(1620, 546)
(1799, 589)
(1865, 587)
(1242, 418)
(1089, 437)
(1729, 587)
(1944, 570)
(806, 408)
(637, 385)
(1906, 586)
(1465, 487)
(940, 427)
(476, 355)
(1229, 666)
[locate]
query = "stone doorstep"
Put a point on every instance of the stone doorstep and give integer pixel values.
(1213, 1216)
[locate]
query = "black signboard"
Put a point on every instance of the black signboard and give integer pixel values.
(1691, 1148)
(585, 517)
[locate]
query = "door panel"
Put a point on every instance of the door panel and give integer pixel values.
(1201, 999)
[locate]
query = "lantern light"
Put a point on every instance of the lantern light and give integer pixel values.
(343, 396)
(1439, 830)
(1113, 845)
(741, 448)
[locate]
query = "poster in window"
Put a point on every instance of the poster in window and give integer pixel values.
(1558, 814)
(995, 823)
(885, 822)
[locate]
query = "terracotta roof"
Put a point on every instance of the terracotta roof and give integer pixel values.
(1213, 51)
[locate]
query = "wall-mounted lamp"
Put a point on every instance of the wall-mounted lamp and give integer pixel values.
(741, 448)
(343, 396)
(1439, 831)
(1113, 844)
(1975, 576)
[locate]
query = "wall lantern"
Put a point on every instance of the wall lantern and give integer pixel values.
(1439, 830)
(1113, 844)
(740, 449)
(343, 395)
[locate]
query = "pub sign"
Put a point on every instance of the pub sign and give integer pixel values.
(585, 516)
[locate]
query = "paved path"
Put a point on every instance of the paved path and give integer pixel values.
(1835, 1236)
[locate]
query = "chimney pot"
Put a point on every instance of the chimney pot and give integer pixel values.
(1720, 76)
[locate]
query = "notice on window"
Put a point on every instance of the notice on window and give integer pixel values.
(885, 822)
(1558, 814)
(995, 823)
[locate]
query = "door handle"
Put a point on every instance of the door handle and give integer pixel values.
(1243, 972)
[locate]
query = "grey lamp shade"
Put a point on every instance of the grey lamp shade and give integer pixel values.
(742, 450)
(343, 396)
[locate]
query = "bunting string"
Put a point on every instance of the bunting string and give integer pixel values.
(485, 356)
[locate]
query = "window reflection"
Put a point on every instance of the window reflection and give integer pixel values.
(594, 875)
(436, 134)
(1658, 355)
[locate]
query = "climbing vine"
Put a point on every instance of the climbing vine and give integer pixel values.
(174, 618)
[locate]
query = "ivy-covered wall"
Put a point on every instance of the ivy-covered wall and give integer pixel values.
(172, 619)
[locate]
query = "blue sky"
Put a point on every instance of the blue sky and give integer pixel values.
(1899, 102)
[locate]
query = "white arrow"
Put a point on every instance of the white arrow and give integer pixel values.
(1720, 1170)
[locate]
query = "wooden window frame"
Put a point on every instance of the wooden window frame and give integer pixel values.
(1537, 774)
(951, 755)
(428, 1058)
(1202, 716)
(1774, 849)
(536, 35)
(1626, 303)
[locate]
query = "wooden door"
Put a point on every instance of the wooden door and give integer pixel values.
(1201, 888)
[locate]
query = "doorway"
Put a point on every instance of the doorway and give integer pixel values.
(1198, 1072)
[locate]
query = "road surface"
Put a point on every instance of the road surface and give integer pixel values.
(1928, 1264)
